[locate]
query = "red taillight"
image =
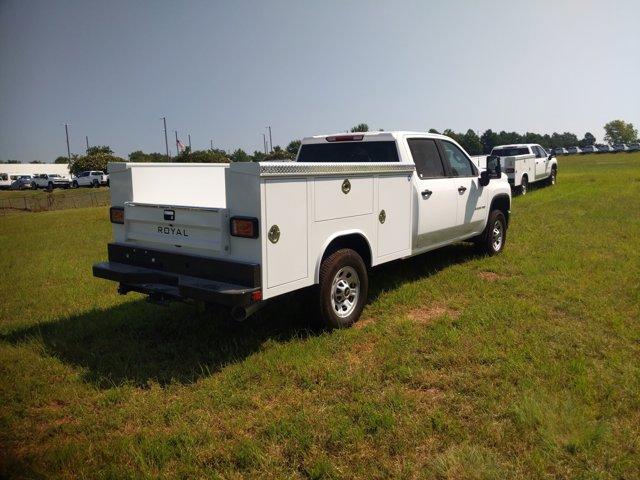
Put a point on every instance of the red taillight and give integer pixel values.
(345, 138)
(256, 296)
(244, 227)
(116, 214)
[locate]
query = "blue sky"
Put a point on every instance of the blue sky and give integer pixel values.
(225, 70)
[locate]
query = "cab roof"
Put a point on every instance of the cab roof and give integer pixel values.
(368, 136)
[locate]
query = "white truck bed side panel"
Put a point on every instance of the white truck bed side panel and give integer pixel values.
(394, 198)
(286, 208)
(332, 202)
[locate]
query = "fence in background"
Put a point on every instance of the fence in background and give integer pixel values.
(55, 201)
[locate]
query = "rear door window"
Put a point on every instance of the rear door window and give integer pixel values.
(426, 157)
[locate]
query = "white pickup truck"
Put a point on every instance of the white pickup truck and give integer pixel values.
(525, 164)
(244, 233)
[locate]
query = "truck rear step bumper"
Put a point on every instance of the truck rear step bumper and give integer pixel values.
(217, 281)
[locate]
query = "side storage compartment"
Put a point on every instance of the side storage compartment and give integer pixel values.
(394, 215)
(285, 230)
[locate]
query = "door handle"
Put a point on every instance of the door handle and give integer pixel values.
(426, 193)
(462, 189)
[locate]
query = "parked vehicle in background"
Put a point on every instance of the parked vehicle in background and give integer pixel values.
(245, 232)
(634, 147)
(588, 149)
(5, 181)
(525, 164)
(559, 151)
(604, 149)
(620, 147)
(573, 151)
(93, 178)
(22, 182)
(50, 181)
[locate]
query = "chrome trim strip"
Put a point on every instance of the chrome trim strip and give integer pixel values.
(293, 168)
(181, 207)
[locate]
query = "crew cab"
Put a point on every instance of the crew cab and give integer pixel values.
(50, 181)
(93, 178)
(5, 181)
(245, 233)
(525, 164)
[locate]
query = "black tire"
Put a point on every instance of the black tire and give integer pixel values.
(553, 177)
(486, 242)
(95, 184)
(337, 269)
(524, 185)
(74, 184)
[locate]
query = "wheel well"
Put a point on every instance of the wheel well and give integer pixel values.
(355, 242)
(502, 203)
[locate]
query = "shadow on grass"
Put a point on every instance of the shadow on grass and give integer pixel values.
(137, 342)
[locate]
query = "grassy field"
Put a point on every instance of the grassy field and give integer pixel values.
(525, 365)
(12, 201)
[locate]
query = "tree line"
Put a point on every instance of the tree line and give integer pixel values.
(97, 158)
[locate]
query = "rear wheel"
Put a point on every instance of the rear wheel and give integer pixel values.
(494, 236)
(524, 185)
(74, 184)
(95, 184)
(343, 288)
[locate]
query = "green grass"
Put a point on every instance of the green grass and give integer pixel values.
(525, 365)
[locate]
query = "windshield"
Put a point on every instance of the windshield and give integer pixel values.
(510, 151)
(25, 177)
(349, 152)
(54, 175)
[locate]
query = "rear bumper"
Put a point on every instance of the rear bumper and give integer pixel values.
(179, 276)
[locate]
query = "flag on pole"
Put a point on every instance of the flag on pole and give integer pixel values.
(180, 146)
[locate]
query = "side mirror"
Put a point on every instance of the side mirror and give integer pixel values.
(550, 156)
(484, 178)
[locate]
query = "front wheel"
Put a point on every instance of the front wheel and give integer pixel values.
(552, 177)
(494, 236)
(343, 288)
(74, 184)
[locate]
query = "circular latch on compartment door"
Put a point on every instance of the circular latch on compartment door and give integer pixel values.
(346, 186)
(382, 216)
(274, 234)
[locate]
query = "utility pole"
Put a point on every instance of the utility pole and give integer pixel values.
(211, 141)
(264, 143)
(177, 147)
(270, 140)
(86, 137)
(189, 135)
(66, 131)
(166, 143)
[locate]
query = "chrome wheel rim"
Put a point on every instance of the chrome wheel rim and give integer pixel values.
(345, 291)
(523, 188)
(553, 178)
(496, 236)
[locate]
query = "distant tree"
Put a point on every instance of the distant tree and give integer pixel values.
(471, 143)
(587, 141)
(258, 156)
(141, 157)
(450, 133)
(239, 156)
(97, 161)
(99, 149)
(619, 131)
(10, 162)
(35, 161)
(61, 159)
(361, 127)
(293, 147)
(279, 154)
(201, 156)
(433, 130)
(489, 139)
